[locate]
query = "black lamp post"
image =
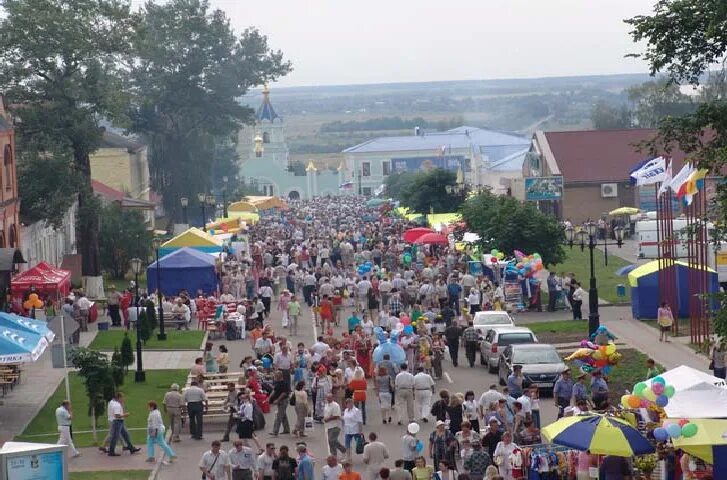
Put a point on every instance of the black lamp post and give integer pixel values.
(139, 375)
(157, 243)
(212, 204)
(224, 196)
(587, 238)
(185, 202)
(202, 201)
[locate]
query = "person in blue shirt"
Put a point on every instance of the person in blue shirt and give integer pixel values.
(353, 322)
(579, 389)
(453, 290)
(563, 392)
(515, 381)
(599, 390)
(305, 464)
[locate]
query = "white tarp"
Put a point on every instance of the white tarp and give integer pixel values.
(698, 394)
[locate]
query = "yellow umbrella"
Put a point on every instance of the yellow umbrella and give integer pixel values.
(710, 434)
(624, 211)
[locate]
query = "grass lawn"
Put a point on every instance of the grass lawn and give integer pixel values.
(123, 283)
(561, 331)
(630, 371)
(176, 340)
(43, 427)
(111, 475)
(579, 263)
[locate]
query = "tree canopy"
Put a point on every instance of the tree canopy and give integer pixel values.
(425, 192)
(123, 236)
(506, 224)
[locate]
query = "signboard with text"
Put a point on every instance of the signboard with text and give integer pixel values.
(543, 188)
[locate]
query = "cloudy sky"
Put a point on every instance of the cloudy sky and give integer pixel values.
(377, 41)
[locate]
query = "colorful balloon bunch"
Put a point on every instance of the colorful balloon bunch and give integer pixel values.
(496, 254)
(591, 357)
(644, 397)
(525, 265)
(33, 301)
(365, 268)
(675, 429)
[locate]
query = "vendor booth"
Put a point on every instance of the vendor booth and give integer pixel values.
(192, 238)
(644, 282)
(47, 280)
(698, 394)
(185, 268)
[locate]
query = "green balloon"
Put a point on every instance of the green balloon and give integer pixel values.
(639, 389)
(669, 391)
(689, 430)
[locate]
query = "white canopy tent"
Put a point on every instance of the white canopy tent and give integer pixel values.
(698, 394)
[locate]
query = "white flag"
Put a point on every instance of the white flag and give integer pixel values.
(653, 172)
(666, 182)
(681, 177)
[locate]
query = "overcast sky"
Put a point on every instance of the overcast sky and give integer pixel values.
(379, 41)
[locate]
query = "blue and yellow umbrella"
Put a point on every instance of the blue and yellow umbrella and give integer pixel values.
(600, 434)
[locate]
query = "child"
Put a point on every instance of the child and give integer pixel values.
(651, 369)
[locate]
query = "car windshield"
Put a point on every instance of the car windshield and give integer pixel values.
(513, 338)
(535, 356)
(493, 319)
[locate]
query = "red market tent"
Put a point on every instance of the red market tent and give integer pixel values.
(432, 239)
(46, 279)
(411, 235)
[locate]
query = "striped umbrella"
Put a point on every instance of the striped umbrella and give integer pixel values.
(600, 434)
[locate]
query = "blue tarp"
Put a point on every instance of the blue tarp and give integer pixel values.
(186, 268)
(645, 297)
(25, 324)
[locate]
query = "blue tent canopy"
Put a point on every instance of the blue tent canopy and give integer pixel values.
(25, 324)
(645, 296)
(186, 268)
(20, 346)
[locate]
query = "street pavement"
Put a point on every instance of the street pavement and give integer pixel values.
(457, 379)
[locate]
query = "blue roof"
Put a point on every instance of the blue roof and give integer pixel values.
(511, 162)
(185, 257)
(457, 138)
(266, 110)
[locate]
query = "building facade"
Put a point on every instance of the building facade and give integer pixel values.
(483, 158)
(9, 201)
(41, 242)
(265, 161)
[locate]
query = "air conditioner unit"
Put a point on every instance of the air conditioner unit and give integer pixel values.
(609, 190)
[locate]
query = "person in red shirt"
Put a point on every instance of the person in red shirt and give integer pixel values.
(326, 311)
(348, 473)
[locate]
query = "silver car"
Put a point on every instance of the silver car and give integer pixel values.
(541, 364)
(497, 338)
(484, 321)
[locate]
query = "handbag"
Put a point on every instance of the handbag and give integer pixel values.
(291, 401)
(711, 365)
(360, 443)
(308, 424)
(204, 475)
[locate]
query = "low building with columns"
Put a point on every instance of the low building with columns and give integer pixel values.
(265, 160)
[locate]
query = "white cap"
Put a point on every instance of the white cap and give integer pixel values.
(413, 428)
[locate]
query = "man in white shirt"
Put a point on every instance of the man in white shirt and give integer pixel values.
(524, 400)
(423, 390)
(215, 463)
(362, 291)
(332, 469)
(374, 455)
(385, 287)
(489, 397)
(84, 305)
(116, 416)
(332, 422)
(319, 349)
(265, 462)
(404, 393)
(283, 361)
(63, 420)
(243, 461)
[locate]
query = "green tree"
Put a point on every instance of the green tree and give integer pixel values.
(123, 236)
(63, 78)
(652, 101)
(427, 192)
(127, 352)
(151, 314)
(97, 374)
(396, 182)
(117, 367)
(192, 68)
(144, 326)
(507, 224)
(605, 116)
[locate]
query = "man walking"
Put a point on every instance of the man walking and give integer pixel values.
(279, 397)
(196, 400)
(470, 340)
(374, 455)
(452, 334)
(230, 405)
(118, 429)
(63, 420)
(332, 422)
(215, 463)
(305, 464)
(173, 402)
(563, 391)
(423, 390)
(404, 391)
(242, 461)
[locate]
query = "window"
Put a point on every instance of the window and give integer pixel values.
(8, 164)
(266, 137)
(386, 168)
(367, 191)
(366, 169)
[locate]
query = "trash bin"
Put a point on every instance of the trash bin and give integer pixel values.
(620, 290)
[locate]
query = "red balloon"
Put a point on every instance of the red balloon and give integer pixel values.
(683, 422)
(493, 259)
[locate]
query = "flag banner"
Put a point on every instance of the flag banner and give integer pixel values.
(346, 186)
(677, 183)
(667, 180)
(654, 171)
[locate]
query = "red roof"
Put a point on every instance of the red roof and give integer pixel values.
(107, 192)
(602, 155)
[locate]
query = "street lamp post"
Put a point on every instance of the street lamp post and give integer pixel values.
(157, 243)
(185, 202)
(212, 204)
(202, 200)
(139, 375)
(588, 238)
(224, 196)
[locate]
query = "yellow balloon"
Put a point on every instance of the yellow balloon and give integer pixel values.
(649, 395)
(610, 349)
(597, 355)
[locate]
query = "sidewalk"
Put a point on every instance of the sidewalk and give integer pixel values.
(38, 382)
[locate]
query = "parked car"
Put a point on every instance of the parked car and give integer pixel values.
(541, 364)
(497, 338)
(484, 321)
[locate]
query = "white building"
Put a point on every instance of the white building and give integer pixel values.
(484, 157)
(40, 242)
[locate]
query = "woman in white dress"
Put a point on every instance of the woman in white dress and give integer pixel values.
(502, 456)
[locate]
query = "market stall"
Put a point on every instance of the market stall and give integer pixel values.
(192, 238)
(43, 279)
(185, 268)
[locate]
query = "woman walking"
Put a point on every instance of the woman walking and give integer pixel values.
(155, 435)
(383, 387)
(300, 403)
(358, 386)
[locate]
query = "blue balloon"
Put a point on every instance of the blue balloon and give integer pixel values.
(420, 446)
(408, 329)
(389, 346)
(662, 400)
(674, 430)
(267, 362)
(658, 380)
(660, 434)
